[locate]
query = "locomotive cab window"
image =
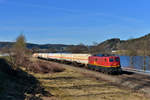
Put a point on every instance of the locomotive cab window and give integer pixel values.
(111, 60)
(117, 59)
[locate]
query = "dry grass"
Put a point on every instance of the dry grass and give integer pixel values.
(69, 84)
(38, 66)
(74, 85)
(19, 84)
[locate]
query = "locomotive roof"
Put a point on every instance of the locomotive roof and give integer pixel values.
(104, 55)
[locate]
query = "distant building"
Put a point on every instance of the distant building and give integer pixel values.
(114, 51)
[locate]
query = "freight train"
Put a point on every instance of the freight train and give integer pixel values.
(104, 63)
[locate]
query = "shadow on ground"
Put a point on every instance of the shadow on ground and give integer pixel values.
(19, 85)
(127, 73)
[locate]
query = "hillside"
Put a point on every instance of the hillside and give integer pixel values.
(136, 44)
(106, 46)
(111, 44)
(36, 46)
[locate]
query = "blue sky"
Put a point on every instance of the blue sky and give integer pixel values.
(73, 21)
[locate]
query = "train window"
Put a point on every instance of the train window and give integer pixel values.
(105, 60)
(111, 60)
(117, 59)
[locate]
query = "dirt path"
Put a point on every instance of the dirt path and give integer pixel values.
(81, 84)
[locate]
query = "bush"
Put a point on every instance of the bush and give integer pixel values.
(43, 67)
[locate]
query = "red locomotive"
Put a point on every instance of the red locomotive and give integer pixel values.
(105, 63)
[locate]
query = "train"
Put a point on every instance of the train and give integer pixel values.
(109, 64)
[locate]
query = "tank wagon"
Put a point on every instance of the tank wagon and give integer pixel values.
(103, 63)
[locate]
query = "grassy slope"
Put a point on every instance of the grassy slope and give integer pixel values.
(19, 85)
(24, 87)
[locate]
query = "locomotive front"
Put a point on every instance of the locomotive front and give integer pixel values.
(106, 64)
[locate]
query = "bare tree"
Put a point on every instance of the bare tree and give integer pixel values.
(145, 50)
(132, 51)
(80, 48)
(4, 50)
(94, 48)
(97, 48)
(18, 51)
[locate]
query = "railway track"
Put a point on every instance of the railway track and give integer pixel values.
(130, 79)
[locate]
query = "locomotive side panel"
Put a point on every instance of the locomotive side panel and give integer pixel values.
(104, 61)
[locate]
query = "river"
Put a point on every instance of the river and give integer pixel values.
(138, 62)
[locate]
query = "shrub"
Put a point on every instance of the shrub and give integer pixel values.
(43, 67)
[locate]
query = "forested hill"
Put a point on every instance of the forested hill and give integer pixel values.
(36, 46)
(117, 44)
(107, 46)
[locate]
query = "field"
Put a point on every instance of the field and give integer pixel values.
(70, 84)
(74, 84)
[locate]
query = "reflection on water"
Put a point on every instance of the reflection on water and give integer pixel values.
(138, 62)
